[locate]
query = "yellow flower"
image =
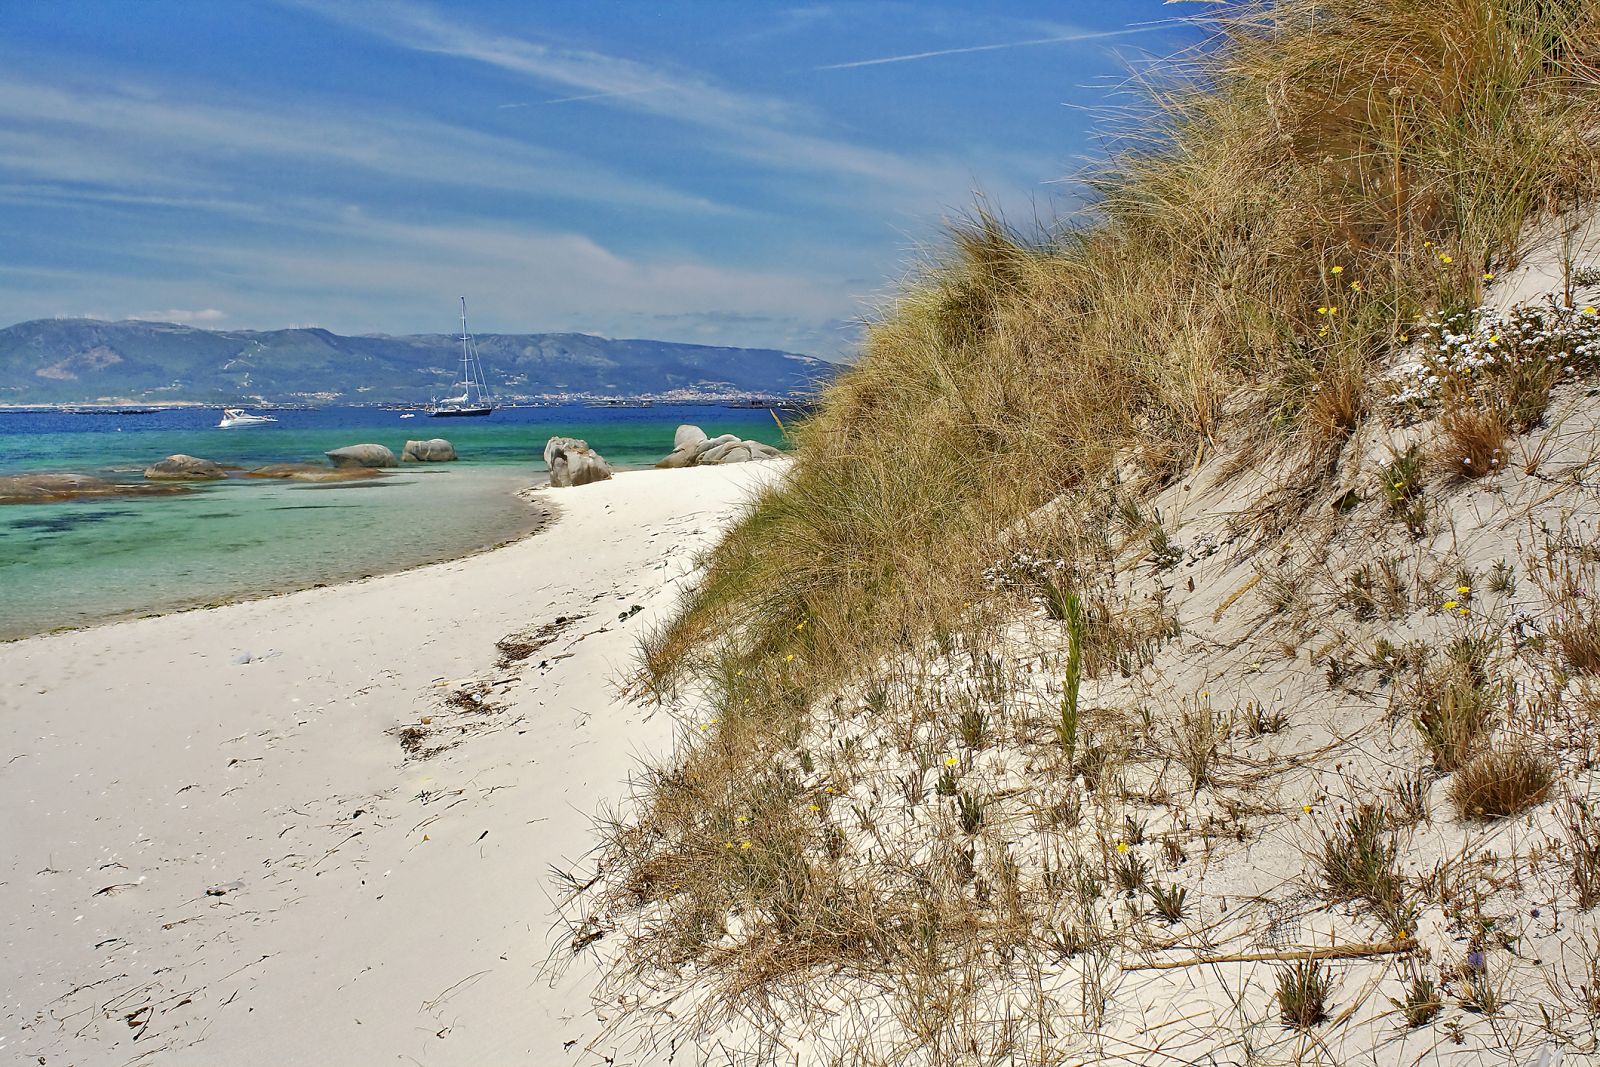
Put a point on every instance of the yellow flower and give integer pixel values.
(1306, 808)
(1404, 338)
(744, 844)
(1122, 846)
(1488, 275)
(816, 807)
(1589, 310)
(1462, 612)
(1463, 589)
(1356, 286)
(1338, 269)
(1333, 311)
(1322, 310)
(727, 844)
(949, 761)
(789, 658)
(1448, 604)
(1446, 259)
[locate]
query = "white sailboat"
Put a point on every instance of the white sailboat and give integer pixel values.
(474, 398)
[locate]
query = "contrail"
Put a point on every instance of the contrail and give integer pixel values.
(585, 96)
(994, 47)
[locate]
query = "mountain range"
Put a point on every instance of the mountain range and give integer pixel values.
(66, 361)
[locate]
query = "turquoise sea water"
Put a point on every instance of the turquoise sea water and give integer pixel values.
(78, 563)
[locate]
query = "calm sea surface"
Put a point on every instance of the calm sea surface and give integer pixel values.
(75, 564)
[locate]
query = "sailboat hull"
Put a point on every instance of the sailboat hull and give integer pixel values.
(459, 413)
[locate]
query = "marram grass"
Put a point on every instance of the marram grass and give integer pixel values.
(1304, 192)
(1311, 184)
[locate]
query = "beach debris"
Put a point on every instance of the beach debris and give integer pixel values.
(411, 738)
(110, 889)
(362, 455)
(630, 613)
(514, 648)
(224, 889)
(572, 462)
(182, 468)
(435, 450)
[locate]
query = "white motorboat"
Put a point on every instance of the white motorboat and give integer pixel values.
(236, 417)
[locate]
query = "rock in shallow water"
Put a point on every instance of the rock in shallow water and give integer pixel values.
(52, 487)
(364, 455)
(437, 450)
(182, 468)
(311, 472)
(573, 462)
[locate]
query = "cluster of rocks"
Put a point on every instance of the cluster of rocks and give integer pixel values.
(571, 462)
(351, 463)
(434, 450)
(692, 448)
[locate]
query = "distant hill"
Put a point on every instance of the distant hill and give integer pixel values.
(56, 361)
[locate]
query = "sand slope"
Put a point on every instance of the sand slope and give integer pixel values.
(212, 860)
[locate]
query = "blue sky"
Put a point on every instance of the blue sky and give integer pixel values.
(722, 172)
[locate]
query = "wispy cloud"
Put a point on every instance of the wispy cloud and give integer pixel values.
(1066, 38)
(138, 138)
(753, 126)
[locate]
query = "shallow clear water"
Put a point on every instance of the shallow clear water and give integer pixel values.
(77, 563)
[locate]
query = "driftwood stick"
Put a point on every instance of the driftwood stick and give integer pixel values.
(1331, 952)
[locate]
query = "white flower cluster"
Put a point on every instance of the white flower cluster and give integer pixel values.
(1484, 342)
(1023, 571)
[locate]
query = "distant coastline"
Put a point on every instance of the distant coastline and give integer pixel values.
(87, 361)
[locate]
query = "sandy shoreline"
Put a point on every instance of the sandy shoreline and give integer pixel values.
(217, 852)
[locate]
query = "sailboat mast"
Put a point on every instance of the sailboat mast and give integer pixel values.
(466, 370)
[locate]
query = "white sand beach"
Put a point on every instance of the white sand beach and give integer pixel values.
(215, 850)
